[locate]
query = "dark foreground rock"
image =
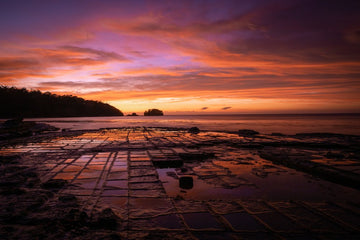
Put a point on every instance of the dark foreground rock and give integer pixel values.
(167, 183)
(304, 163)
(247, 132)
(33, 211)
(54, 184)
(195, 156)
(15, 128)
(194, 130)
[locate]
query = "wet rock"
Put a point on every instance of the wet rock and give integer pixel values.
(12, 159)
(41, 127)
(200, 156)
(13, 122)
(186, 182)
(277, 134)
(247, 132)
(320, 135)
(111, 236)
(12, 191)
(172, 174)
(107, 219)
(304, 164)
(167, 163)
(12, 169)
(32, 182)
(54, 184)
(38, 201)
(252, 145)
(334, 155)
(67, 198)
(194, 130)
(75, 218)
(11, 183)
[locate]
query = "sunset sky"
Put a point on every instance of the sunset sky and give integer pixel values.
(193, 57)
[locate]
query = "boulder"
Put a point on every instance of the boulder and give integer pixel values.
(247, 132)
(54, 184)
(194, 130)
(106, 219)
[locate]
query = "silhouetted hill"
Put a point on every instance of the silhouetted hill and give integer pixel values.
(15, 102)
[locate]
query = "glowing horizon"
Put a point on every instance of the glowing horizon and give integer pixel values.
(187, 56)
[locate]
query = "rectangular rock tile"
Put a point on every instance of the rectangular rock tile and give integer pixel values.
(224, 207)
(142, 172)
(145, 186)
(117, 184)
(154, 193)
(117, 176)
(73, 168)
(116, 168)
(311, 220)
(98, 167)
(65, 175)
(89, 174)
(149, 207)
(278, 222)
(204, 221)
(141, 179)
(242, 221)
(186, 206)
(164, 222)
(89, 183)
(141, 164)
(139, 159)
(115, 192)
(78, 192)
(255, 206)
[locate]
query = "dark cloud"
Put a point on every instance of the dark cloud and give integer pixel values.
(99, 54)
(226, 108)
(302, 31)
(204, 108)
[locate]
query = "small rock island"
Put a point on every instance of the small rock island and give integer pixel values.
(153, 112)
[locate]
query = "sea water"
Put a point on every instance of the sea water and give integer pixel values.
(263, 123)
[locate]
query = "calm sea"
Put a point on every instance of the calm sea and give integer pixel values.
(264, 123)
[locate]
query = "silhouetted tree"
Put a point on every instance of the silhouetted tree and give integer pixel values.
(15, 102)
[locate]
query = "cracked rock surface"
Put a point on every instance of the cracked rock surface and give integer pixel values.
(161, 183)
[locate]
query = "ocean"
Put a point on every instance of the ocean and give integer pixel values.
(263, 123)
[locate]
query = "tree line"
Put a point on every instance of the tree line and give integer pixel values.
(20, 102)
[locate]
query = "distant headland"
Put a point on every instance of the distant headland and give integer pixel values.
(15, 102)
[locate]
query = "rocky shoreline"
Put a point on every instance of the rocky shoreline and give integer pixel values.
(152, 183)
